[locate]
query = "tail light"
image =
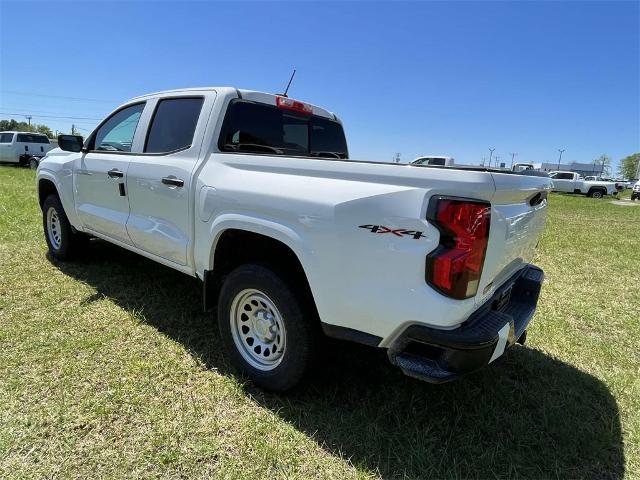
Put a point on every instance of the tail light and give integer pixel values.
(293, 105)
(455, 267)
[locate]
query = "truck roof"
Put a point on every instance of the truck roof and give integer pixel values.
(17, 131)
(253, 95)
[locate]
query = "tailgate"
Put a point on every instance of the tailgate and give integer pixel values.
(518, 212)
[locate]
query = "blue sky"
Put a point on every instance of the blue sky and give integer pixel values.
(424, 77)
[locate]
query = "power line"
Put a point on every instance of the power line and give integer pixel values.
(82, 99)
(50, 116)
(40, 111)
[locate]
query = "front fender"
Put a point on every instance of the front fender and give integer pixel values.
(62, 179)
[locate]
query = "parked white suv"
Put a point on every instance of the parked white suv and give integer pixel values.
(24, 148)
(254, 194)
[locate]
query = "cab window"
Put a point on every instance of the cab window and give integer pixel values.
(173, 125)
(6, 137)
(116, 134)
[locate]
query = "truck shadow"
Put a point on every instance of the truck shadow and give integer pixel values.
(529, 415)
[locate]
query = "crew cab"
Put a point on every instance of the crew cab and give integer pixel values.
(571, 182)
(255, 195)
(23, 148)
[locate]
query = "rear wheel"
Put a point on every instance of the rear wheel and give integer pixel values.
(33, 163)
(266, 329)
(597, 193)
(63, 242)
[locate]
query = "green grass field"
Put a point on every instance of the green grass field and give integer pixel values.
(108, 368)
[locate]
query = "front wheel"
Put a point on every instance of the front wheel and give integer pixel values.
(265, 327)
(63, 242)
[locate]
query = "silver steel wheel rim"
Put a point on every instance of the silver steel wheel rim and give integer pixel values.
(33, 164)
(54, 228)
(257, 329)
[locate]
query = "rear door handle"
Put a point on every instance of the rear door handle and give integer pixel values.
(115, 173)
(173, 181)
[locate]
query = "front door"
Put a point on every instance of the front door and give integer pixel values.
(101, 175)
(159, 182)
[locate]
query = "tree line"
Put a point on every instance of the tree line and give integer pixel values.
(9, 125)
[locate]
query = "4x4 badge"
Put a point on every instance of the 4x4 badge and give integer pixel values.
(398, 232)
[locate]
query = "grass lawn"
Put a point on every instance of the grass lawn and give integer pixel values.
(108, 368)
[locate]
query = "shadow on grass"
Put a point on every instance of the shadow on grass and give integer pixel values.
(528, 415)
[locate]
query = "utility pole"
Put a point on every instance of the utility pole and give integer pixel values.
(484, 159)
(497, 160)
(561, 150)
(73, 129)
(28, 117)
(491, 155)
(513, 154)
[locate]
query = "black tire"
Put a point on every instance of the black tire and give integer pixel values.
(595, 193)
(33, 163)
(299, 320)
(70, 243)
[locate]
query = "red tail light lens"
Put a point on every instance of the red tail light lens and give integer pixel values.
(293, 105)
(455, 267)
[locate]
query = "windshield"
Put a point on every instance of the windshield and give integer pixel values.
(261, 128)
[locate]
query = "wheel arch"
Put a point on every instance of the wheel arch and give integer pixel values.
(276, 248)
(46, 187)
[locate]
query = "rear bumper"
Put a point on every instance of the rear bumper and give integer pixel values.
(440, 356)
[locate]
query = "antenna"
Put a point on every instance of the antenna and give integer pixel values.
(289, 84)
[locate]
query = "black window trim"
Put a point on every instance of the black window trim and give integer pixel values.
(220, 144)
(153, 116)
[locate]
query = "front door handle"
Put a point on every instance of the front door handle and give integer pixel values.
(115, 173)
(173, 181)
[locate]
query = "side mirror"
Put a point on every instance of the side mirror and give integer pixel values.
(70, 143)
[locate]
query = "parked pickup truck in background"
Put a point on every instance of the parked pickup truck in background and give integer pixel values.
(620, 184)
(571, 182)
(255, 195)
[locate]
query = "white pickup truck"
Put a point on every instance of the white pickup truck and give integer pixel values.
(254, 194)
(571, 182)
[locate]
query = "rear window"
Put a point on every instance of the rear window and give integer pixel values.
(562, 176)
(30, 138)
(6, 137)
(259, 128)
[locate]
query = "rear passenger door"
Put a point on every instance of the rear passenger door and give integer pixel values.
(159, 182)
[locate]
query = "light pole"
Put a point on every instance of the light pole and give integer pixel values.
(497, 160)
(513, 154)
(561, 150)
(491, 155)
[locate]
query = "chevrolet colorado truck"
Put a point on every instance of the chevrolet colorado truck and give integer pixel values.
(255, 195)
(571, 182)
